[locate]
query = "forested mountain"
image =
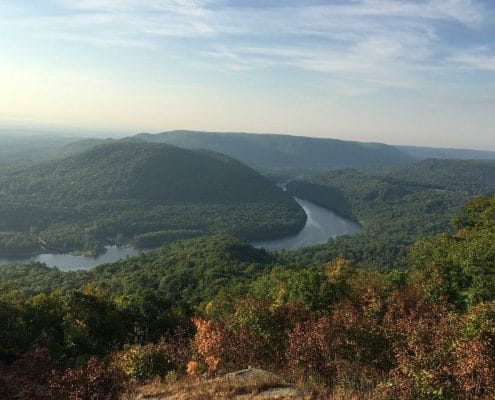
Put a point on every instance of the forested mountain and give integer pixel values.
(27, 150)
(157, 172)
(264, 151)
(471, 176)
(446, 153)
(120, 191)
(19, 149)
(396, 207)
(297, 154)
(282, 157)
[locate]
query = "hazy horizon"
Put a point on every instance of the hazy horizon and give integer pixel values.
(97, 134)
(418, 73)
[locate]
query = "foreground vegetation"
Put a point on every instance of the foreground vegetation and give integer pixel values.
(215, 304)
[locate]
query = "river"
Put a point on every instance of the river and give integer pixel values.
(321, 225)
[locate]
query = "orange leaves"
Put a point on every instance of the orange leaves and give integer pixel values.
(193, 369)
(384, 340)
(254, 335)
(209, 343)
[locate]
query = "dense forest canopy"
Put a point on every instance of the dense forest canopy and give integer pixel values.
(396, 206)
(419, 152)
(403, 310)
(474, 177)
(214, 304)
(120, 191)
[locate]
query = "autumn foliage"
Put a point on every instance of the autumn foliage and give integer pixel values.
(427, 333)
(377, 340)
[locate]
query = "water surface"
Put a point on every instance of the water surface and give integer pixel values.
(321, 225)
(69, 262)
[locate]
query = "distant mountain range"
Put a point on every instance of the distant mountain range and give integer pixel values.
(446, 153)
(265, 152)
(283, 151)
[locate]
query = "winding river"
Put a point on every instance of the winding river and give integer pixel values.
(321, 225)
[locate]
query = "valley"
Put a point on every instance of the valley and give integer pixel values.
(321, 225)
(247, 200)
(325, 278)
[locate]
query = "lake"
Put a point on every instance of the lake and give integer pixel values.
(321, 225)
(69, 262)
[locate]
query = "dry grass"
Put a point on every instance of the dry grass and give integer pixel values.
(202, 389)
(259, 388)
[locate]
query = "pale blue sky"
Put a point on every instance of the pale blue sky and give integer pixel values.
(401, 72)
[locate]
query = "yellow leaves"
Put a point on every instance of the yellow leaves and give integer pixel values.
(280, 295)
(339, 269)
(92, 289)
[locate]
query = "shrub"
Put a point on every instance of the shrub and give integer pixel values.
(255, 334)
(93, 380)
(27, 377)
(474, 369)
(144, 362)
(422, 333)
(346, 347)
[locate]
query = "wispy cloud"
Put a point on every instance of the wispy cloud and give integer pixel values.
(480, 58)
(375, 42)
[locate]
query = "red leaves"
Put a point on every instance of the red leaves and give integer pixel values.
(36, 377)
(334, 346)
(390, 344)
(93, 380)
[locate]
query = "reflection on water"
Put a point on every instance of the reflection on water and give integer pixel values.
(69, 262)
(322, 224)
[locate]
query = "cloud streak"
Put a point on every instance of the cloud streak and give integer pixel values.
(381, 43)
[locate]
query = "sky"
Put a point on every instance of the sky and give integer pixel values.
(418, 72)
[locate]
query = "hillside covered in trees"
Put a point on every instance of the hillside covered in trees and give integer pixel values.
(284, 152)
(118, 192)
(281, 156)
(396, 206)
(216, 304)
(285, 156)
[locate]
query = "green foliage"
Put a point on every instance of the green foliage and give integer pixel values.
(183, 274)
(463, 263)
(144, 362)
(133, 191)
(156, 239)
(80, 324)
(396, 208)
(476, 177)
(12, 243)
(426, 333)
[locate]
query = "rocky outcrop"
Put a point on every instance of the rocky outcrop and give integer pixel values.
(247, 384)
